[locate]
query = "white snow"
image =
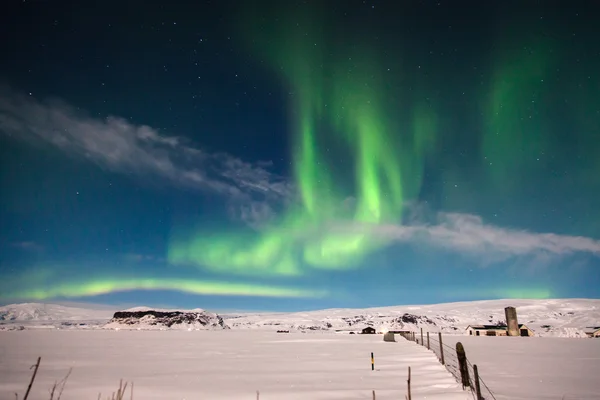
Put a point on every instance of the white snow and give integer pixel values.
(551, 318)
(535, 367)
(221, 365)
(51, 312)
(319, 364)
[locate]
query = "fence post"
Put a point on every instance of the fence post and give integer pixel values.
(409, 397)
(441, 348)
(477, 385)
(462, 365)
(427, 340)
(422, 342)
(373, 395)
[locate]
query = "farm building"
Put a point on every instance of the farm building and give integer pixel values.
(369, 330)
(398, 332)
(495, 330)
(593, 331)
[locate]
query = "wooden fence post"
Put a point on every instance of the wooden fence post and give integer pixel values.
(35, 370)
(422, 342)
(409, 397)
(373, 395)
(441, 348)
(462, 365)
(427, 340)
(477, 385)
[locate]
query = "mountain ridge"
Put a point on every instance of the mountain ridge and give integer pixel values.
(548, 317)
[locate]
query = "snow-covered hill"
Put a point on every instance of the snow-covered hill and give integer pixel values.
(562, 318)
(556, 317)
(39, 315)
(145, 319)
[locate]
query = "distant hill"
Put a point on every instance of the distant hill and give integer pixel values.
(555, 317)
(39, 312)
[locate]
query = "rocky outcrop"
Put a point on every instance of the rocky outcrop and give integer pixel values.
(152, 319)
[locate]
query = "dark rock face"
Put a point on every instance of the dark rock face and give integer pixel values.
(168, 318)
(414, 319)
(354, 320)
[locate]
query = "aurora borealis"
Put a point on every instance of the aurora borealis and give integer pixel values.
(300, 155)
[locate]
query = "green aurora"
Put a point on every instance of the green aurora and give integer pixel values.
(339, 107)
(103, 286)
(359, 159)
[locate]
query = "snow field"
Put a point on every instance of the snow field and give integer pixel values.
(221, 365)
(535, 367)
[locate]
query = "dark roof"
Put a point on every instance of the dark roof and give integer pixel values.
(493, 327)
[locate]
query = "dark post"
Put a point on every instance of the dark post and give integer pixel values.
(427, 340)
(441, 348)
(477, 386)
(462, 365)
(373, 395)
(372, 362)
(35, 369)
(408, 385)
(422, 342)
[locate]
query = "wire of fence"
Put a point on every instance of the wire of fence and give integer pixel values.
(449, 358)
(486, 392)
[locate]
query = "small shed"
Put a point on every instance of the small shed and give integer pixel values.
(593, 331)
(389, 337)
(369, 330)
(497, 330)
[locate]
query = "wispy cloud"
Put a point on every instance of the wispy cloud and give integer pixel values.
(28, 246)
(469, 234)
(118, 145)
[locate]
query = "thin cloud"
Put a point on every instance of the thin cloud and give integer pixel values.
(120, 146)
(468, 234)
(28, 246)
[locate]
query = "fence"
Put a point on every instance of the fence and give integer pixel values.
(455, 361)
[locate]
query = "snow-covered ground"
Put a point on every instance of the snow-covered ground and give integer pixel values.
(536, 367)
(220, 365)
(236, 362)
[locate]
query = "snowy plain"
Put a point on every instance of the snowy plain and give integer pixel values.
(535, 367)
(221, 365)
(185, 362)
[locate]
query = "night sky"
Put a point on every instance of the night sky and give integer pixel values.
(294, 155)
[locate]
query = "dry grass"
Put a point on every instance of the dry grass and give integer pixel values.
(59, 386)
(120, 393)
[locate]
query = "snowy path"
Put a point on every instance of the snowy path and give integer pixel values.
(221, 365)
